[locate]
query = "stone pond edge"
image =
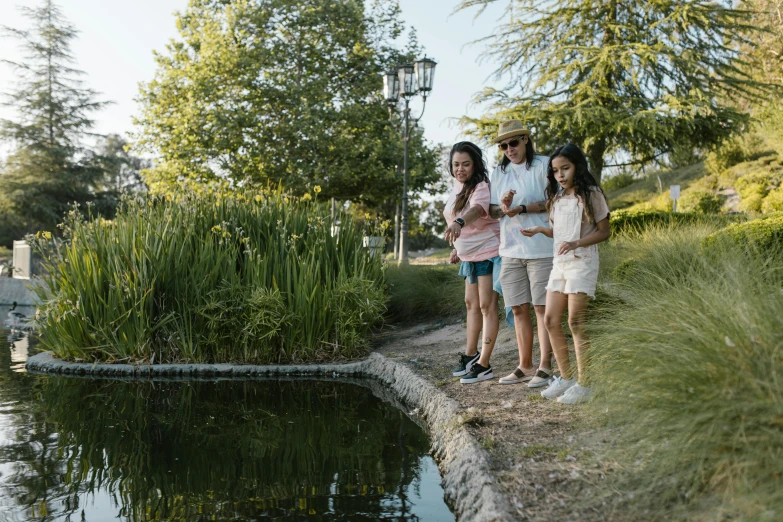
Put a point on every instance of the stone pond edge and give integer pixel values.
(467, 479)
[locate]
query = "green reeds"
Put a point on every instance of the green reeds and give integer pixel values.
(687, 369)
(243, 277)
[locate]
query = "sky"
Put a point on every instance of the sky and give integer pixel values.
(117, 39)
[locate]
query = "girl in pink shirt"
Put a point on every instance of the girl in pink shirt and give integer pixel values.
(476, 239)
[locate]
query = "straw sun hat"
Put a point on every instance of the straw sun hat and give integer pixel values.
(509, 129)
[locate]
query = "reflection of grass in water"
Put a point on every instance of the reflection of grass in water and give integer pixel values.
(169, 448)
(688, 368)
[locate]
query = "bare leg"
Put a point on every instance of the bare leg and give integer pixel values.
(488, 299)
(474, 317)
(577, 308)
(543, 338)
(553, 319)
(523, 327)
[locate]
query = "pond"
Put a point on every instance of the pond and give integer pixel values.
(95, 450)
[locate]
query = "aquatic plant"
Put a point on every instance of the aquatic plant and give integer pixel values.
(241, 276)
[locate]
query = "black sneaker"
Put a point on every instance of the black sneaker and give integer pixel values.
(477, 374)
(466, 362)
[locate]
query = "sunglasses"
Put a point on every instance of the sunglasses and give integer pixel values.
(512, 143)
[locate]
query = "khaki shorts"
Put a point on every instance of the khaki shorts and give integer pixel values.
(524, 280)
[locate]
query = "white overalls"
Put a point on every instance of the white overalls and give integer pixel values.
(577, 270)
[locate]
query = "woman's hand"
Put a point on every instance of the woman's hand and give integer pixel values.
(507, 199)
(566, 247)
(453, 257)
(453, 232)
(530, 232)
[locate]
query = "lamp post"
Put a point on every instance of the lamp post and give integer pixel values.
(406, 82)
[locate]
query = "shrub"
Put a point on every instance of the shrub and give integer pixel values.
(765, 234)
(686, 372)
(626, 220)
(621, 180)
(218, 277)
(773, 202)
(700, 201)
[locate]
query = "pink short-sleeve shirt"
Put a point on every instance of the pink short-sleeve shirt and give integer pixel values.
(480, 240)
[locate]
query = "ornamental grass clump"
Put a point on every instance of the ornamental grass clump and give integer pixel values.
(218, 277)
(687, 370)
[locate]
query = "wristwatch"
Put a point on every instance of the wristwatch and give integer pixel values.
(524, 209)
(460, 222)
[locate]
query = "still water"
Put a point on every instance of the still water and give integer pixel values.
(106, 450)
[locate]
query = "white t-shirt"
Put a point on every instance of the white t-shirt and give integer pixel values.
(530, 185)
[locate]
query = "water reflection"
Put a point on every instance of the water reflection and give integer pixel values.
(78, 449)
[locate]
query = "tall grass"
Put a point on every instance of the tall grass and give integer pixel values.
(688, 368)
(241, 277)
(424, 292)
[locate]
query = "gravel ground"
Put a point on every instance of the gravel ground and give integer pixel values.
(545, 456)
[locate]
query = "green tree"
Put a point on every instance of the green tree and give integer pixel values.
(280, 91)
(48, 168)
(621, 79)
(765, 62)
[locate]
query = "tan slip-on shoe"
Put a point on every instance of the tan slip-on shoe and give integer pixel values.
(518, 375)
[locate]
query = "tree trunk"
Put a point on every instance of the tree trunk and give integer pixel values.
(595, 154)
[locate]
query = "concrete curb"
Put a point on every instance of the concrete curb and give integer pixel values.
(467, 480)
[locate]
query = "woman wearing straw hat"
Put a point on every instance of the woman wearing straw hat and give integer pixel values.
(517, 198)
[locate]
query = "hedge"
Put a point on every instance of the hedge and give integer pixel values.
(627, 220)
(765, 233)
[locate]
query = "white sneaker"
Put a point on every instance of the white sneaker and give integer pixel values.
(576, 394)
(542, 378)
(558, 387)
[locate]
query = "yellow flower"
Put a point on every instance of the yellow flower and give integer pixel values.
(47, 235)
(317, 189)
(366, 215)
(294, 236)
(385, 224)
(216, 229)
(307, 197)
(285, 200)
(258, 198)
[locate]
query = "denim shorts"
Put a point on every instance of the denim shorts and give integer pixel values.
(474, 269)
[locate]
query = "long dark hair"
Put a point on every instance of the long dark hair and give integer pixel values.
(530, 155)
(479, 172)
(584, 182)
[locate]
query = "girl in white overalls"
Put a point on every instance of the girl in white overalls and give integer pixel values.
(579, 216)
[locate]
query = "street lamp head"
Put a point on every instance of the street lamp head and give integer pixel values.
(406, 76)
(425, 74)
(391, 88)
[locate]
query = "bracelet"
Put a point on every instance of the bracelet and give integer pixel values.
(460, 222)
(524, 209)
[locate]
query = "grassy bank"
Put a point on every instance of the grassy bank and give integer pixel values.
(419, 293)
(687, 371)
(242, 277)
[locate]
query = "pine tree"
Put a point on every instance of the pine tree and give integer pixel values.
(280, 91)
(622, 78)
(48, 168)
(765, 63)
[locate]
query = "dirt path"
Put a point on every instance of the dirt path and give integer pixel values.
(543, 455)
